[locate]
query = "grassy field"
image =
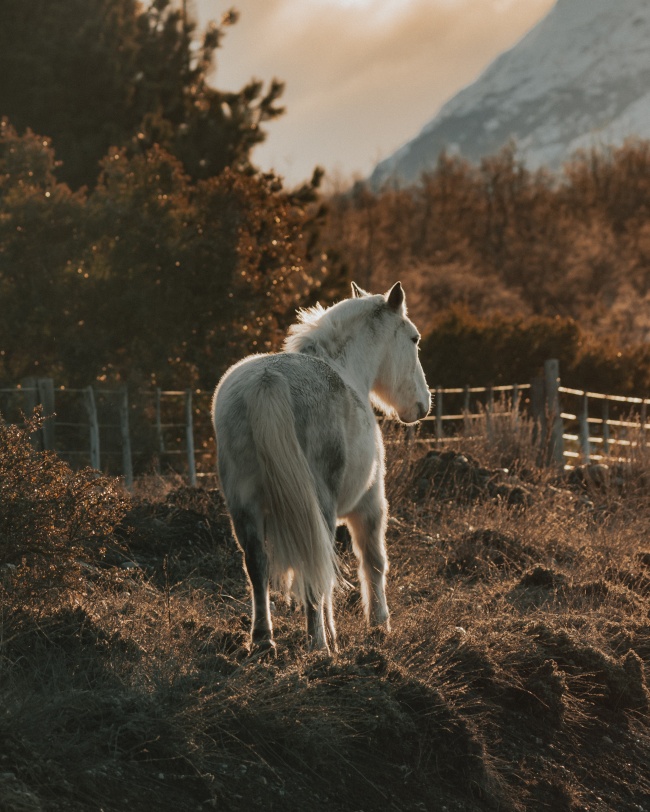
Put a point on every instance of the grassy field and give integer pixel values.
(514, 677)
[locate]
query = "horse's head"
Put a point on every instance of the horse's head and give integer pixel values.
(400, 384)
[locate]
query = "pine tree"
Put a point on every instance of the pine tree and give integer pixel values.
(92, 74)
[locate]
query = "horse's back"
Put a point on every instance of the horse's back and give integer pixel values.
(315, 389)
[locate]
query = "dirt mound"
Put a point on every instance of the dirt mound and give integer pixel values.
(619, 683)
(369, 735)
(481, 553)
(186, 532)
(448, 475)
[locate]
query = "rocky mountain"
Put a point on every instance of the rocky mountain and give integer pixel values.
(579, 78)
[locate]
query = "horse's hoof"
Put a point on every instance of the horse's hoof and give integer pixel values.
(324, 650)
(315, 644)
(264, 650)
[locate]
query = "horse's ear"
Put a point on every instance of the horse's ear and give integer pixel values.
(357, 292)
(395, 297)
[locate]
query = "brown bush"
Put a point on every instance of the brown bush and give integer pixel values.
(51, 517)
(460, 347)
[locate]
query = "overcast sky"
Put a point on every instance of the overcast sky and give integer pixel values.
(362, 76)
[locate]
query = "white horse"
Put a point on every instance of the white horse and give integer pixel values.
(299, 450)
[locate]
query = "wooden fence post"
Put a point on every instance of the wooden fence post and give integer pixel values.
(45, 388)
(538, 412)
(514, 406)
(189, 436)
(489, 409)
(644, 420)
(466, 404)
(606, 428)
(583, 429)
(93, 423)
(555, 425)
(159, 431)
(127, 462)
(439, 430)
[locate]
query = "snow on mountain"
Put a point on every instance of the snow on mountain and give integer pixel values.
(579, 78)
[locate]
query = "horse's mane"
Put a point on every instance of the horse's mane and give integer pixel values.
(307, 323)
(325, 332)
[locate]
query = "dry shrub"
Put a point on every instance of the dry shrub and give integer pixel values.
(499, 239)
(51, 517)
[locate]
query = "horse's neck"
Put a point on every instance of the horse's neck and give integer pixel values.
(359, 366)
(348, 346)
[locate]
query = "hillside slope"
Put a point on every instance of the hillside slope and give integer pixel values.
(580, 78)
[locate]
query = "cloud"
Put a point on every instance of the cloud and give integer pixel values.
(362, 76)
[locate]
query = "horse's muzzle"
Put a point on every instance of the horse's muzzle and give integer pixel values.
(423, 410)
(419, 411)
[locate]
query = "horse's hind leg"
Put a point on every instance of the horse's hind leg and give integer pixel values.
(320, 624)
(329, 621)
(367, 524)
(316, 626)
(249, 530)
(320, 615)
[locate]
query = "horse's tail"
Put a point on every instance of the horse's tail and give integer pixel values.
(301, 546)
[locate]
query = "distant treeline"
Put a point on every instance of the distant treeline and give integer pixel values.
(504, 267)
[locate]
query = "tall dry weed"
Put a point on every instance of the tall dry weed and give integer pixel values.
(503, 437)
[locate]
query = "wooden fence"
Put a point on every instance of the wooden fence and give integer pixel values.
(130, 433)
(117, 431)
(571, 425)
(477, 402)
